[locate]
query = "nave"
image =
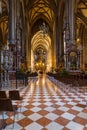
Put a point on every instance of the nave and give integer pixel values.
(47, 107)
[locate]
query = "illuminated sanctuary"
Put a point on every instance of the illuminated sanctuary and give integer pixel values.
(43, 56)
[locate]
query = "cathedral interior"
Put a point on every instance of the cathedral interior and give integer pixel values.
(44, 34)
(48, 36)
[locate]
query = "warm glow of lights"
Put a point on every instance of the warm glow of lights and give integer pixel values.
(39, 41)
(43, 80)
(32, 88)
(37, 64)
(78, 40)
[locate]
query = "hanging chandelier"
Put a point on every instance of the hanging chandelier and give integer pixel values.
(44, 28)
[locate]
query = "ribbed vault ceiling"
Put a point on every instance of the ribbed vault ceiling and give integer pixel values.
(81, 13)
(38, 40)
(82, 7)
(41, 8)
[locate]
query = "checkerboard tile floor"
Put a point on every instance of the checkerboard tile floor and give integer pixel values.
(46, 107)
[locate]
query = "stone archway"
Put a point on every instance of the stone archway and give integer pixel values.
(41, 42)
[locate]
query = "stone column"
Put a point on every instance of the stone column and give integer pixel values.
(57, 45)
(29, 49)
(70, 27)
(18, 33)
(67, 29)
(11, 24)
(72, 21)
(11, 27)
(67, 32)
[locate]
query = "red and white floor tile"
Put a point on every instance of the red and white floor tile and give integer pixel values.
(46, 107)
